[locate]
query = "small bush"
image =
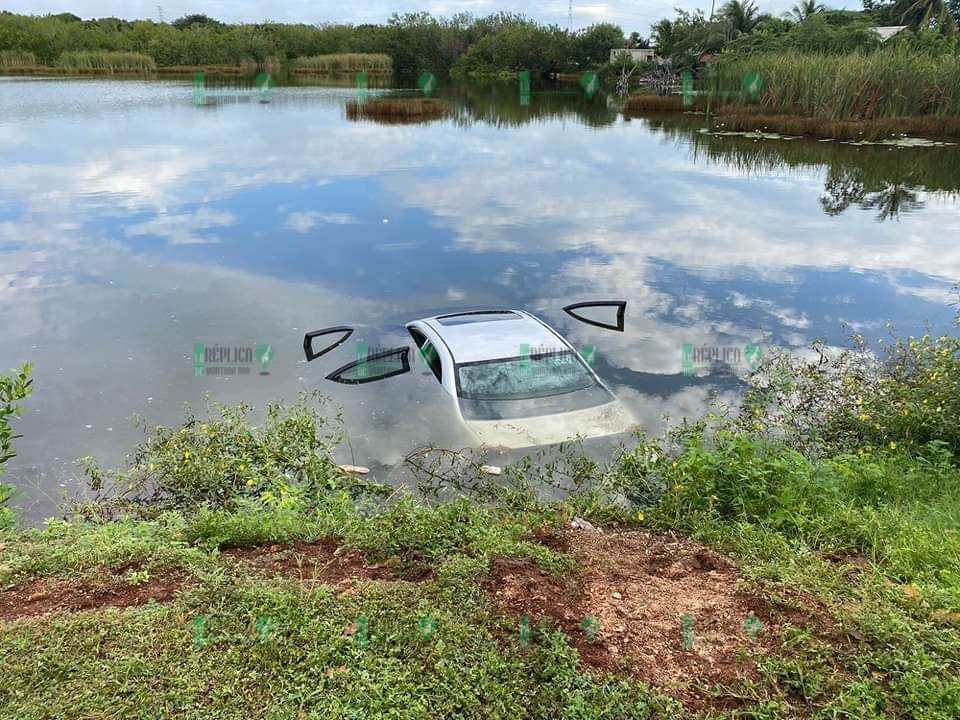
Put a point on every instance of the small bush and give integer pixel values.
(220, 460)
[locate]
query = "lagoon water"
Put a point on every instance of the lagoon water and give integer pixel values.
(135, 224)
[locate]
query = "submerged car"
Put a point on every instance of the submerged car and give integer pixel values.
(512, 379)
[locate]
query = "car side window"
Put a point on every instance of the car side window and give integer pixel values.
(428, 354)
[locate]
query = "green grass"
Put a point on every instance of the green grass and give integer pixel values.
(856, 86)
(851, 524)
(343, 62)
(106, 62)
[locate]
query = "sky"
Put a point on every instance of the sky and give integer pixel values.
(631, 15)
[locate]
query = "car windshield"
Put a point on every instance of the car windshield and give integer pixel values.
(523, 378)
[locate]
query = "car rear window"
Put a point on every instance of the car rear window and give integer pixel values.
(523, 378)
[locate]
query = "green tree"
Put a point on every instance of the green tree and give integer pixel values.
(742, 15)
(925, 13)
(194, 19)
(805, 9)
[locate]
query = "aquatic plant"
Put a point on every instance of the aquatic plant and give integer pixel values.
(398, 108)
(106, 62)
(343, 62)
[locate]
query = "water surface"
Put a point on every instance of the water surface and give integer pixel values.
(135, 224)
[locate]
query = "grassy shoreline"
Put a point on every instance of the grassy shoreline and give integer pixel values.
(236, 570)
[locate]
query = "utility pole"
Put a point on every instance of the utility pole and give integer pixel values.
(570, 17)
(160, 13)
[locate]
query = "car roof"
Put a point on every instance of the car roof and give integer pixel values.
(492, 334)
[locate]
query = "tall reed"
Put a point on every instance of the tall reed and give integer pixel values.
(12, 59)
(884, 84)
(106, 62)
(343, 62)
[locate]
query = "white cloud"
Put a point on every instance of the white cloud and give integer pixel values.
(183, 228)
(304, 222)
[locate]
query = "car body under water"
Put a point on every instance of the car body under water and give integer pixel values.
(513, 381)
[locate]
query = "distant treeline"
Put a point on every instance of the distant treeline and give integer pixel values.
(413, 42)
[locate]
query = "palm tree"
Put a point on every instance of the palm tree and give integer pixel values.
(805, 9)
(742, 15)
(920, 13)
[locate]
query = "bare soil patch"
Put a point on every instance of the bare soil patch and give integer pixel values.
(641, 586)
(326, 562)
(47, 595)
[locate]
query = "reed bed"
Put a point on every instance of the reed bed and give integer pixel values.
(398, 109)
(885, 84)
(17, 59)
(343, 62)
(84, 62)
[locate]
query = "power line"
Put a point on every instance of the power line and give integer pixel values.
(160, 13)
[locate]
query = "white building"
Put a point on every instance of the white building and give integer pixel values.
(888, 31)
(637, 55)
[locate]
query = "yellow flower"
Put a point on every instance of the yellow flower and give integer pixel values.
(250, 482)
(864, 416)
(859, 402)
(713, 498)
(674, 464)
(640, 516)
(186, 454)
(679, 486)
(893, 445)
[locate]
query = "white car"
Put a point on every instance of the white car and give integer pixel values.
(513, 380)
